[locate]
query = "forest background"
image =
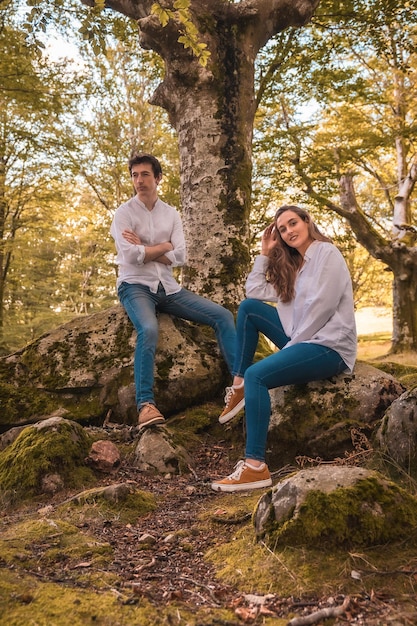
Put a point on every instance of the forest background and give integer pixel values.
(340, 93)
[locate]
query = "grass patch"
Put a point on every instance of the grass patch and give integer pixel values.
(25, 600)
(296, 571)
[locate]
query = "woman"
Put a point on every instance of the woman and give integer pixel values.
(313, 325)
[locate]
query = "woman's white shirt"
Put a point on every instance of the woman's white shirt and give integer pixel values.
(322, 310)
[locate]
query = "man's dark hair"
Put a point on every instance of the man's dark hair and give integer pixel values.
(143, 157)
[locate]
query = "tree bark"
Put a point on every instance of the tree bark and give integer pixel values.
(212, 109)
(400, 256)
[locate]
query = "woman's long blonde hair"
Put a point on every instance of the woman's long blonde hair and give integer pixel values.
(285, 261)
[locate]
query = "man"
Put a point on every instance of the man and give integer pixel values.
(150, 242)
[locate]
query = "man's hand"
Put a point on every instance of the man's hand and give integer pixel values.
(132, 237)
(152, 253)
(157, 253)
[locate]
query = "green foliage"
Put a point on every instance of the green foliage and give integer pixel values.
(339, 97)
(65, 155)
(190, 36)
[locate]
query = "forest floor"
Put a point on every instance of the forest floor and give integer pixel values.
(158, 572)
(168, 566)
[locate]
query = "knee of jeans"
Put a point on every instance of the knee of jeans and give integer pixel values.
(251, 377)
(247, 305)
(228, 318)
(148, 332)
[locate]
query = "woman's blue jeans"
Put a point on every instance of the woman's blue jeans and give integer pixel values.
(141, 305)
(297, 364)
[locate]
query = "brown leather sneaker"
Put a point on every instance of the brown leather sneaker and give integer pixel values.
(244, 478)
(235, 401)
(149, 416)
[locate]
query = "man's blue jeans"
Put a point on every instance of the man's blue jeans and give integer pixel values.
(297, 364)
(141, 305)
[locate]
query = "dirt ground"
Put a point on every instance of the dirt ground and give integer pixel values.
(159, 559)
(172, 570)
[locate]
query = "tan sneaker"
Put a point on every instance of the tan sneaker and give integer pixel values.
(244, 478)
(149, 415)
(235, 402)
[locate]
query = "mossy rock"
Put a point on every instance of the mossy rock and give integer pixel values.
(119, 502)
(54, 447)
(365, 510)
(43, 541)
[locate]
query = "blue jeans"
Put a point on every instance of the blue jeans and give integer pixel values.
(141, 305)
(298, 364)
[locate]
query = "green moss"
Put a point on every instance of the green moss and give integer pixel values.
(195, 420)
(230, 271)
(254, 567)
(50, 541)
(397, 370)
(164, 366)
(49, 370)
(27, 600)
(363, 515)
(38, 452)
(22, 402)
(93, 503)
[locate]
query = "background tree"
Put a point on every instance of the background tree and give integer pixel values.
(353, 153)
(63, 166)
(32, 99)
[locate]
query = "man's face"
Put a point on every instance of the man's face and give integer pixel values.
(144, 181)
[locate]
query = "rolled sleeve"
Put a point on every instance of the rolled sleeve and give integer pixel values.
(141, 255)
(257, 286)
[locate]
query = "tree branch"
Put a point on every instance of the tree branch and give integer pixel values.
(318, 616)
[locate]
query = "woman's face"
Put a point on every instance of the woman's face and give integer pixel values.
(294, 231)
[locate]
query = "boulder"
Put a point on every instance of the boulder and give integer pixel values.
(157, 451)
(84, 370)
(45, 458)
(333, 506)
(397, 433)
(318, 420)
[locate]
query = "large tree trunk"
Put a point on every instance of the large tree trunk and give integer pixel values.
(399, 254)
(405, 303)
(3, 263)
(212, 109)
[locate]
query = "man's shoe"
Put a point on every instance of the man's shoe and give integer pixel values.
(244, 478)
(235, 402)
(149, 416)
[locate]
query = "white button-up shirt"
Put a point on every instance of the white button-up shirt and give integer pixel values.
(322, 310)
(161, 224)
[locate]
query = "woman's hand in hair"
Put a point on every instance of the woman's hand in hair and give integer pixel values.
(269, 239)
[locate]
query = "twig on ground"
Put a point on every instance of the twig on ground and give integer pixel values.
(198, 584)
(317, 616)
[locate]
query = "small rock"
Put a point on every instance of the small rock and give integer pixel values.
(51, 483)
(104, 456)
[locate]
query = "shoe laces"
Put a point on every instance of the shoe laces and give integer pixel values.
(228, 395)
(237, 472)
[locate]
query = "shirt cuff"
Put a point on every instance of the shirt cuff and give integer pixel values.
(261, 262)
(171, 256)
(141, 256)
